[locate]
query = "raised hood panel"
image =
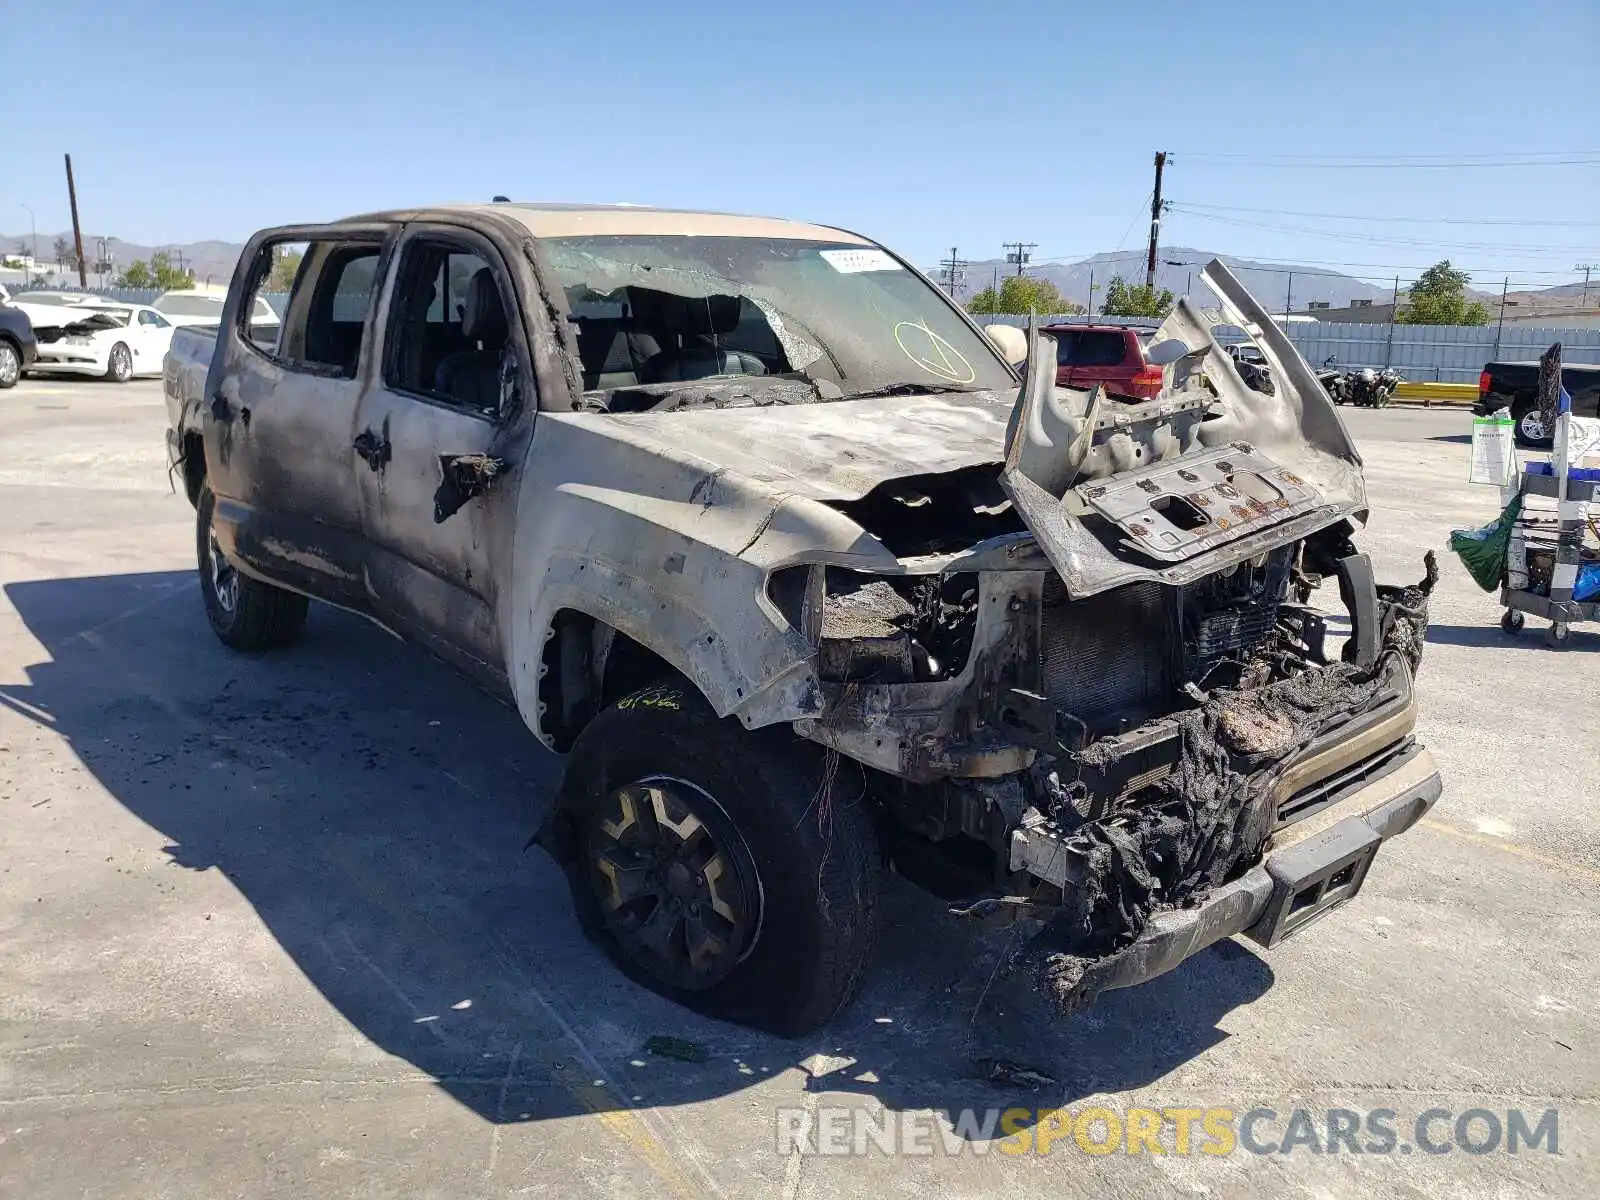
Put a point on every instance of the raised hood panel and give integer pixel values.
(839, 450)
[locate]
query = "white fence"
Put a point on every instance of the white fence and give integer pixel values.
(1429, 353)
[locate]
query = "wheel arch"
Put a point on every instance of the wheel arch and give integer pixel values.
(193, 463)
(589, 646)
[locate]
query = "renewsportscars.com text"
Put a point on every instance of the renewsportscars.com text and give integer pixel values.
(1095, 1130)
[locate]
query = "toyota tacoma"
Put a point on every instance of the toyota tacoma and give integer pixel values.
(809, 582)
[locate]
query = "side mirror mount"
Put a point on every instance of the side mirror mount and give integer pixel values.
(1010, 341)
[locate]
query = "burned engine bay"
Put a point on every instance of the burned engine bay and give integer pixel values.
(1089, 763)
(1100, 700)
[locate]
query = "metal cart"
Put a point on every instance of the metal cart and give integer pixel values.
(1549, 552)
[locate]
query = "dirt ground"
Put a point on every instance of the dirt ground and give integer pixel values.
(268, 925)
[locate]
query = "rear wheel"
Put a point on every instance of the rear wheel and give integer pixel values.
(1531, 431)
(10, 364)
(245, 613)
(716, 866)
(119, 364)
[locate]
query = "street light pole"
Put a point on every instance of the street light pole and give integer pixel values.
(33, 235)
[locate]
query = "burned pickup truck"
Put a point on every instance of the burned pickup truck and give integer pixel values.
(750, 521)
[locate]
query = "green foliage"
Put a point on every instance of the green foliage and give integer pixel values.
(1126, 300)
(137, 275)
(158, 273)
(284, 269)
(1020, 295)
(1439, 297)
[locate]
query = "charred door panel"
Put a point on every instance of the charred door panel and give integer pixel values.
(277, 415)
(429, 574)
(437, 443)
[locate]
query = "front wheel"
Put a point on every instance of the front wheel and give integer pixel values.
(717, 866)
(244, 613)
(119, 364)
(10, 365)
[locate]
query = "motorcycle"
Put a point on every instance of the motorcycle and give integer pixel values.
(1370, 387)
(1334, 381)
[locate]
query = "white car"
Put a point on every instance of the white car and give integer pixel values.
(55, 299)
(205, 308)
(116, 341)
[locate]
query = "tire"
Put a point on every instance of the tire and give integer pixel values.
(119, 364)
(1559, 635)
(245, 613)
(10, 364)
(796, 894)
(1530, 430)
(1512, 622)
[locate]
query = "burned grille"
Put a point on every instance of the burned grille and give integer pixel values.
(1105, 653)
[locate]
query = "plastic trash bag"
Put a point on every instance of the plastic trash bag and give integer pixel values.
(1483, 551)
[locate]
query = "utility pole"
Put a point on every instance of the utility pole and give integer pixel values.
(1091, 294)
(1585, 268)
(1501, 323)
(952, 269)
(33, 235)
(1394, 311)
(1017, 252)
(1288, 301)
(1155, 221)
(77, 230)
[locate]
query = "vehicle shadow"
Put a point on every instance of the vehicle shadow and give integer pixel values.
(1532, 636)
(375, 811)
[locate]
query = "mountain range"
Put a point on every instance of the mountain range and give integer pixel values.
(1271, 283)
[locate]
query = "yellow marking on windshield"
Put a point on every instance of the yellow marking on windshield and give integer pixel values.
(932, 353)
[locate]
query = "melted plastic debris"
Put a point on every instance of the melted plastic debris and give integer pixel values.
(1212, 816)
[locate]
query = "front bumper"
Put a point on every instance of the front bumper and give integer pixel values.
(73, 362)
(1312, 867)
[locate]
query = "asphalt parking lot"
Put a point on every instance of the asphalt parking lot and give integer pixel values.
(268, 926)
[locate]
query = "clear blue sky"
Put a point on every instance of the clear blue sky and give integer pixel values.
(924, 124)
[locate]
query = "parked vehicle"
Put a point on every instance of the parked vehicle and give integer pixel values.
(1252, 365)
(1365, 387)
(114, 341)
(748, 519)
(17, 345)
(195, 307)
(1515, 385)
(57, 298)
(1112, 355)
(1333, 381)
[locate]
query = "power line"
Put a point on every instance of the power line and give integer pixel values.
(1396, 162)
(1345, 235)
(1284, 212)
(1134, 220)
(1478, 154)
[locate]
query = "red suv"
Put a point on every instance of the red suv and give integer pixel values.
(1108, 354)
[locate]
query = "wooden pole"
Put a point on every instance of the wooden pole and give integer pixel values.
(77, 230)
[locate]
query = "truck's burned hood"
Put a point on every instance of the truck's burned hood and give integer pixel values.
(834, 450)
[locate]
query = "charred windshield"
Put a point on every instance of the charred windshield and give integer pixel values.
(663, 309)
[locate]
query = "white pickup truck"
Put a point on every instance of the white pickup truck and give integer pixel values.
(750, 521)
